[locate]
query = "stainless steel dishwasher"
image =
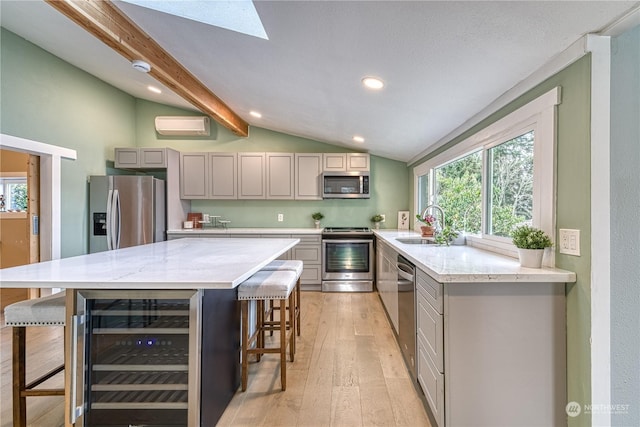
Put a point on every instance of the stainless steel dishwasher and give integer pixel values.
(407, 312)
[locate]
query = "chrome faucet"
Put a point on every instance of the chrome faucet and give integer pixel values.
(424, 212)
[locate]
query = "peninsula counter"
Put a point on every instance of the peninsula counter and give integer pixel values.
(190, 283)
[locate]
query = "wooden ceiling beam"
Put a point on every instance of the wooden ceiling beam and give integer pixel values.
(105, 21)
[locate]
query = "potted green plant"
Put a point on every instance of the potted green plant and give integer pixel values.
(429, 222)
(377, 219)
(531, 243)
(317, 216)
(446, 236)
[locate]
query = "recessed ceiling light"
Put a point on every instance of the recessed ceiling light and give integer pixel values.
(255, 114)
(154, 89)
(373, 83)
(358, 138)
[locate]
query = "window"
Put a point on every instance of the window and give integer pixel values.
(13, 194)
(501, 177)
(510, 185)
(458, 186)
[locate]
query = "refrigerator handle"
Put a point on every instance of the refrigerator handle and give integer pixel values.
(116, 205)
(109, 219)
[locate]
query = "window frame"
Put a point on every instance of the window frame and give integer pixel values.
(538, 115)
(11, 176)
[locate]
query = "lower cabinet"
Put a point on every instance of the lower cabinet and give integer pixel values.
(492, 353)
(387, 281)
(309, 251)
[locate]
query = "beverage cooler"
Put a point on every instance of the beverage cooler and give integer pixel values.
(137, 358)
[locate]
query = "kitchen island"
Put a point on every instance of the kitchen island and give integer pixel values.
(199, 277)
(490, 335)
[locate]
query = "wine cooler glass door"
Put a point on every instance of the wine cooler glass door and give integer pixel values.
(137, 350)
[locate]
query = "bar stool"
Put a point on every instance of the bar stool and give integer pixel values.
(268, 285)
(288, 265)
(45, 311)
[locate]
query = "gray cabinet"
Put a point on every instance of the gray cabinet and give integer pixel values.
(194, 175)
(430, 339)
(280, 176)
(309, 251)
(140, 158)
(358, 162)
(334, 162)
(308, 172)
(387, 281)
(223, 172)
(256, 176)
(484, 348)
(345, 162)
(251, 176)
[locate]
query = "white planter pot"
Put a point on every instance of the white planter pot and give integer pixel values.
(531, 258)
(317, 223)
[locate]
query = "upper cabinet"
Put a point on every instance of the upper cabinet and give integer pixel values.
(194, 176)
(308, 172)
(141, 158)
(357, 162)
(280, 176)
(345, 162)
(223, 172)
(256, 176)
(251, 176)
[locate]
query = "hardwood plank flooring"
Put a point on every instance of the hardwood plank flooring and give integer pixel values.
(348, 371)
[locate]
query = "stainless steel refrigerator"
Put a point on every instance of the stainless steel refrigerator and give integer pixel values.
(125, 211)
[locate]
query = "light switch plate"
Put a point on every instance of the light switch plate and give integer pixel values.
(569, 242)
(280, 217)
(383, 217)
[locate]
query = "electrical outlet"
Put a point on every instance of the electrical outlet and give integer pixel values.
(280, 217)
(383, 217)
(569, 242)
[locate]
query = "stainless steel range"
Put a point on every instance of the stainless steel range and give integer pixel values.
(347, 259)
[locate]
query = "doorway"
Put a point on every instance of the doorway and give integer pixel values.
(19, 217)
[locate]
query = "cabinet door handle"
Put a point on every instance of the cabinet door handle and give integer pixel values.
(76, 411)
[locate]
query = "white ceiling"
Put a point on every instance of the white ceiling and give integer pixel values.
(442, 62)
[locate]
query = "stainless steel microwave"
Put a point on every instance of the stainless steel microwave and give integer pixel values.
(345, 185)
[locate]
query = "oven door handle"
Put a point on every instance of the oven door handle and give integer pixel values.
(348, 240)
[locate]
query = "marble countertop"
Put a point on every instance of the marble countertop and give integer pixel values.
(182, 231)
(466, 264)
(189, 263)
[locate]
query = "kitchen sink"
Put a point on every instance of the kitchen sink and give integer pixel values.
(416, 240)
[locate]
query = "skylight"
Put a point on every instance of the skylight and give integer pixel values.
(235, 15)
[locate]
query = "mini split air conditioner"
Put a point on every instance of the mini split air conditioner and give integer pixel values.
(182, 125)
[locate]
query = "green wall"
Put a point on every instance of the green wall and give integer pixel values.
(48, 100)
(573, 210)
(389, 179)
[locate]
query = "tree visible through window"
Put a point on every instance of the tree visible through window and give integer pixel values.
(511, 185)
(14, 194)
(459, 192)
(509, 179)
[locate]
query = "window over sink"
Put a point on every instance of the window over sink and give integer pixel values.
(498, 178)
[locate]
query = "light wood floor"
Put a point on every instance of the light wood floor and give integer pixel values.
(348, 371)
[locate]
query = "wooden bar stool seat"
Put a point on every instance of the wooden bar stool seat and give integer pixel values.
(45, 311)
(288, 265)
(268, 286)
